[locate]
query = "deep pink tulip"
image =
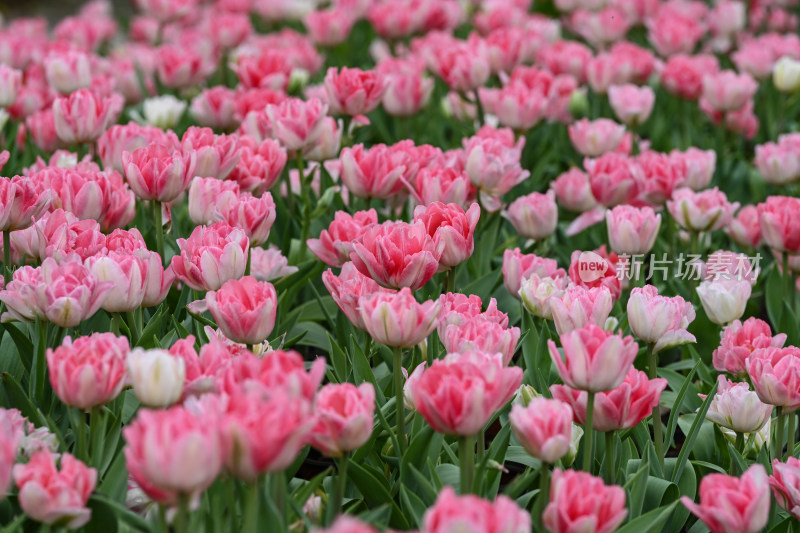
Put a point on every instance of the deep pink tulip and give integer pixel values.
(158, 172)
(446, 185)
(459, 394)
(53, 495)
(780, 225)
(352, 91)
(775, 374)
(297, 124)
(733, 505)
(84, 115)
(344, 417)
(581, 502)
(254, 215)
(739, 340)
(215, 107)
(534, 216)
(264, 431)
(543, 427)
(452, 513)
(623, 407)
(119, 139)
(396, 318)
(594, 360)
(375, 172)
(613, 179)
(215, 155)
(244, 309)
(397, 254)
(348, 288)
(260, 165)
(595, 276)
(464, 66)
(683, 74)
(22, 200)
(173, 452)
(459, 308)
(329, 248)
(211, 256)
(745, 228)
(785, 484)
(451, 227)
(281, 370)
(659, 320)
(88, 372)
(267, 69)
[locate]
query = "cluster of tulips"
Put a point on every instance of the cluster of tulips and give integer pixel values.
(409, 265)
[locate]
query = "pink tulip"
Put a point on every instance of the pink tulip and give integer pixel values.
(88, 372)
(264, 431)
(778, 163)
(54, 495)
(594, 360)
(724, 301)
(733, 505)
(595, 138)
(10, 84)
(157, 280)
(658, 175)
(22, 200)
(84, 115)
(537, 293)
(269, 264)
(211, 256)
(347, 524)
(119, 139)
(518, 266)
(740, 340)
(775, 374)
(267, 69)
(613, 179)
(459, 309)
(464, 66)
(683, 74)
(459, 394)
(10, 438)
(397, 254)
(482, 335)
(515, 105)
(328, 143)
(344, 417)
(534, 216)
(595, 269)
(727, 90)
(253, 215)
(281, 370)
(543, 427)
(244, 309)
(181, 66)
(708, 210)
(329, 27)
(215, 108)
(631, 104)
(446, 185)
(785, 484)
(745, 228)
(452, 513)
(157, 172)
(173, 452)
(573, 191)
(260, 165)
(347, 289)
(623, 407)
(166, 10)
(207, 195)
(581, 502)
(374, 172)
(699, 165)
(295, 123)
(396, 319)
(737, 408)
(67, 71)
(407, 88)
(352, 91)
(660, 320)
(632, 230)
(127, 272)
(329, 248)
(566, 57)
(493, 165)
(578, 307)
(780, 226)
(672, 31)
(216, 155)
(451, 228)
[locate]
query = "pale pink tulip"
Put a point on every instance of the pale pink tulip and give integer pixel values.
(775, 374)
(736, 407)
(660, 320)
(330, 247)
(534, 216)
(211, 256)
(543, 427)
(632, 230)
(396, 318)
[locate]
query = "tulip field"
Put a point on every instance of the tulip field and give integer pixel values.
(442, 266)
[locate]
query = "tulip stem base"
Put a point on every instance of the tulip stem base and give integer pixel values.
(77, 420)
(658, 437)
(791, 435)
(466, 456)
(398, 395)
(182, 516)
(7, 256)
(155, 207)
(789, 281)
(588, 435)
(338, 492)
(777, 450)
(479, 107)
(251, 510)
(542, 499)
(611, 452)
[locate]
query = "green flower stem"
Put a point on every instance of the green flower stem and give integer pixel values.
(77, 421)
(338, 491)
(155, 210)
(251, 510)
(789, 282)
(611, 471)
(398, 395)
(7, 270)
(777, 444)
(658, 437)
(544, 495)
(791, 434)
(588, 436)
(479, 107)
(181, 521)
(466, 456)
